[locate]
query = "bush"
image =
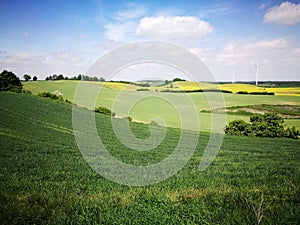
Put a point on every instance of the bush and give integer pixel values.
(28, 92)
(267, 125)
(53, 96)
(292, 133)
(68, 101)
(238, 127)
(104, 110)
(261, 93)
(10, 82)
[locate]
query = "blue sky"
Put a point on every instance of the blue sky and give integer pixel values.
(66, 37)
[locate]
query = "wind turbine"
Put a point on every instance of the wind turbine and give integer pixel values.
(233, 73)
(256, 82)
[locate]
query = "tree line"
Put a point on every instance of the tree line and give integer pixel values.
(78, 77)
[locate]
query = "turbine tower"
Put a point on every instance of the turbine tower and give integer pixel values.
(233, 73)
(256, 82)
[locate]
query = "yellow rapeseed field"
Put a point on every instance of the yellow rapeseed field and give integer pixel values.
(189, 86)
(119, 86)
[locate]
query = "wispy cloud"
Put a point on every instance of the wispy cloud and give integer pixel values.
(131, 11)
(125, 22)
(217, 10)
(262, 6)
(26, 34)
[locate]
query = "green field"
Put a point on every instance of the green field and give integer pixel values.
(158, 104)
(45, 180)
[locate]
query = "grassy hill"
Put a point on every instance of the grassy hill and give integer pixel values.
(157, 104)
(45, 180)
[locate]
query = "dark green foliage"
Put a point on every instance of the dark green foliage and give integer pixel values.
(104, 110)
(10, 82)
(292, 132)
(45, 179)
(262, 93)
(266, 125)
(255, 93)
(68, 101)
(34, 78)
(27, 77)
(217, 90)
(51, 96)
(243, 92)
(239, 128)
(178, 79)
(143, 89)
(28, 92)
(60, 77)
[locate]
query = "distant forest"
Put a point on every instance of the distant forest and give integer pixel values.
(268, 83)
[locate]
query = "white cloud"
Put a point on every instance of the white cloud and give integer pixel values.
(286, 13)
(173, 27)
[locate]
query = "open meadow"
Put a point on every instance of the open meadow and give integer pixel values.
(45, 180)
(157, 104)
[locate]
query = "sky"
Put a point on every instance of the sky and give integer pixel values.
(232, 38)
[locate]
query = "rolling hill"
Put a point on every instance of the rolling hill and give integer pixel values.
(45, 179)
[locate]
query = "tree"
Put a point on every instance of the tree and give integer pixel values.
(59, 77)
(54, 77)
(102, 79)
(34, 78)
(10, 82)
(177, 79)
(27, 77)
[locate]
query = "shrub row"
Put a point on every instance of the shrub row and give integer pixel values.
(255, 93)
(54, 96)
(104, 110)
(198, 90)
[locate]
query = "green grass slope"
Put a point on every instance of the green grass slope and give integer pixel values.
(45, 180)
